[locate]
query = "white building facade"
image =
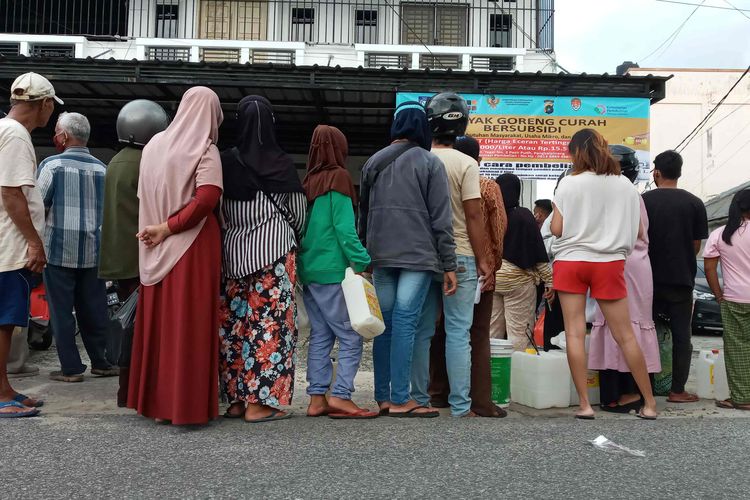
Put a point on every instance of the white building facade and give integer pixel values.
(716, 159)
(483, 35)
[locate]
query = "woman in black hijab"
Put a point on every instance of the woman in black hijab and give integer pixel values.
(263, 210)
(525, 265)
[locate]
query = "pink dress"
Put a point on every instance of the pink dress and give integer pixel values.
(604, 353)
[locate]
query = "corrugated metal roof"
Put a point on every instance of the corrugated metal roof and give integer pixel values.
(360, 101)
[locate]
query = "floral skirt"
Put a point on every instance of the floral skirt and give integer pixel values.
(259, 335)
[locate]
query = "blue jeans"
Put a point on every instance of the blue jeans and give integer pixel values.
(329, 320)
(458, 310)
(82, 290)
(420, 361)
(401, 294)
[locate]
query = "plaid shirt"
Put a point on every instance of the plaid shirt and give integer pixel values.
(72, 186)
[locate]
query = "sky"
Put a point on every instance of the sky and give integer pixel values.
(595, 36)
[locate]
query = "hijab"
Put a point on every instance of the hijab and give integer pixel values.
(326, 165)
(174, 163)
(410, 122)
(522, 245)
(264, 166)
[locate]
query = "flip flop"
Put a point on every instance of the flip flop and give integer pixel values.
(360, 414)
(692, 398)
(269, 418)
(586, 417)
(30, 412)
(229, 415)
(726, 404)
(20, 398)
(644, 417)
(411, 413)
(384, 412)
(324, 413)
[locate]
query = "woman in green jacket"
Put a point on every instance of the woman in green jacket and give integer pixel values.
(329, 246)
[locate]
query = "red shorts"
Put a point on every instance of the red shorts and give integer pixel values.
(605, 279)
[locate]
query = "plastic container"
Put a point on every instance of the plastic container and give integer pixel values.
(721, 386)
(501, 352)
(704, 371)
(362, 305)
(592, 379)
(540, 380)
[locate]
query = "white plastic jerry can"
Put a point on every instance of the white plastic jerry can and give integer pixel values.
(705, 373)
(721, 386)
(362, 305)
(540, 380)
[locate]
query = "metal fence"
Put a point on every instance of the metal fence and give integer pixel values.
(479, 23)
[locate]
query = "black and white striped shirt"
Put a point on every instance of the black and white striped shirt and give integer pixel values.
(256, 234)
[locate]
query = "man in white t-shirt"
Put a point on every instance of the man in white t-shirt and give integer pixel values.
(448, 115)
(21, 222)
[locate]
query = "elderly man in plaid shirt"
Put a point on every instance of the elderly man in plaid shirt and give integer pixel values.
(72, 186)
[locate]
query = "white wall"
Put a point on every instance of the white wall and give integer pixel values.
(717, 159)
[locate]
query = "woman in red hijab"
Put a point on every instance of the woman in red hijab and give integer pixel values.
(174, 367)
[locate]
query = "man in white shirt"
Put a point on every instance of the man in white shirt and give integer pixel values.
(21, 222)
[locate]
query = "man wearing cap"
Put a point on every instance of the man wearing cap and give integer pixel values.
(72, 187)
(21, 222)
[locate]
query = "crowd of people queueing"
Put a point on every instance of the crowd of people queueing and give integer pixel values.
(216, 242)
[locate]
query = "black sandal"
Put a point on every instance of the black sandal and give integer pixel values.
(413, 414)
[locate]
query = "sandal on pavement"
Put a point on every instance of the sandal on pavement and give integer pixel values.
(727, 404)
(683, 397)
(60, 377)
(25, 371)
(645, 417)
(323, 413)
(33, 403)
(273, 416)
(360, 414)
(414, 414)
(229, 414)
(106, 372)
(586, 417)
(29, 412)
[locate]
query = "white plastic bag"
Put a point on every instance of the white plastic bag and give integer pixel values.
(608, 446)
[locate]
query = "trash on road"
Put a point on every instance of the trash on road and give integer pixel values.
(606, 445)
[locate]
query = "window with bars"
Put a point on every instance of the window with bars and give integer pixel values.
(233, 20)
(500, 30)
(303, 24)
(366, 26)
(431, 24)
(167, 19)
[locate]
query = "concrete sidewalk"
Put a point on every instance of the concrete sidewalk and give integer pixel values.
(96, 396)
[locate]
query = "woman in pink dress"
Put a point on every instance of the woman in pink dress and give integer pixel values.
(619, 392)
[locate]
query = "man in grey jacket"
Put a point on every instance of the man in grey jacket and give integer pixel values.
(405, 223)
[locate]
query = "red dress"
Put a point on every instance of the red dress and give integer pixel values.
(174, 365)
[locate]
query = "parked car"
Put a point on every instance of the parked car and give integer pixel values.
(706, 311)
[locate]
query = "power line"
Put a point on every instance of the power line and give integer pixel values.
(676, 32)
(735, 8)
(697, 128)
(739, 107)
(701, 5)
(722, 165)
(523, 32)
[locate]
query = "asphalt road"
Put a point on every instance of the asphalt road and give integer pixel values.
(120, 456)
(84, 447)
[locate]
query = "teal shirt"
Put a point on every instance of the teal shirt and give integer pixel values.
(330, 243)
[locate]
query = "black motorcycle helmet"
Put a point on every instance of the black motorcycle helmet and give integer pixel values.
(448, 115)
(625, 156)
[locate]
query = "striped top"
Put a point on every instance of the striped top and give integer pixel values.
(256, 234)
(72, 186)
